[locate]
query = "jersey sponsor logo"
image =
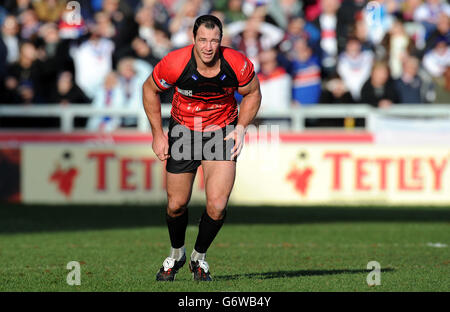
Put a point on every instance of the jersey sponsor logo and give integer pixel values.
(164, 83)
(185, 92)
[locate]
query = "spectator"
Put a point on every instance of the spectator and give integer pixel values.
(110, 95)
(132, 75)
(93, 61)
(29, 24)
(442, 32)
(53, 46)
(67, 92)
(354, 67)
(26, 93)
(54, 55)
(105, 27)
(443, 87)
(204, 6)
(254, 35)
(306, 75)
(26, 72)
(409, 7)
(429, 11)
(297, 29)
(145, 19)
(219, 15)
(417, 34)
(275, 83)
(310, 35)
(335, 92)
(161, 43)
(10, 31)
(379, 89)
(182, 23)
(49, 10)
(312, 9)
(396, 44)
(16, 7)
(361, 32)
(428, 14)
(120, 15)
(437, 59)
(155, 36)
(118, 11)
(283, 11)
(141, 50)
(160, 12)
(349, 11)
(410, 87)
(232, 10)
(330, 31)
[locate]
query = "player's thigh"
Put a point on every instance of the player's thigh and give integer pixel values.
(179, 188)
(219, 179)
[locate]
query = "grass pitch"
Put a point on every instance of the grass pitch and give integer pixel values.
(289, 249)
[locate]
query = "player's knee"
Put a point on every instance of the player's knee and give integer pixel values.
(216, 206)
(176, 206)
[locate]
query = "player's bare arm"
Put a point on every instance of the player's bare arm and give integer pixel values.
(152, 106)
(248, 109)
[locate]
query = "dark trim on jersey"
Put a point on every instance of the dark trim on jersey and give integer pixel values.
(253, 76)
(225, 68)
(157, 85)
(186, 69)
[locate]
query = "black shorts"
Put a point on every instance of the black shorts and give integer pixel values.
(187, 148)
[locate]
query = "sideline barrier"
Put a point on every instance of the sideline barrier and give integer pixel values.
(295, 116)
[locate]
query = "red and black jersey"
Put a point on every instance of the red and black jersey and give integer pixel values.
(195, 96)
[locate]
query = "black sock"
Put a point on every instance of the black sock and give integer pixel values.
(177, 229)
(207, 231)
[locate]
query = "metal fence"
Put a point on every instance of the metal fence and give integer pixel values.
(294, 116)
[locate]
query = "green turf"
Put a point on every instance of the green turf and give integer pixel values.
(120, 248)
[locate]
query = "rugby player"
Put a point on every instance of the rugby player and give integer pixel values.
(205, 76)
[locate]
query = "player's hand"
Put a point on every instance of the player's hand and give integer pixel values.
(238, 135)
(160, 147)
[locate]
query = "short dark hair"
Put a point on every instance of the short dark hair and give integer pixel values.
(210, 21)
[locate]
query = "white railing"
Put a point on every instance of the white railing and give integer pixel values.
(295, 115)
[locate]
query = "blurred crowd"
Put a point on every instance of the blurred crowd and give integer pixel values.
(382, 52)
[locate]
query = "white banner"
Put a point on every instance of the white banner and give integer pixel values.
(288, 174)
(406, 131)
(83, 174)
(346, 173)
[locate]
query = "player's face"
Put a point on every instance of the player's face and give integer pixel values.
(207, 43)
